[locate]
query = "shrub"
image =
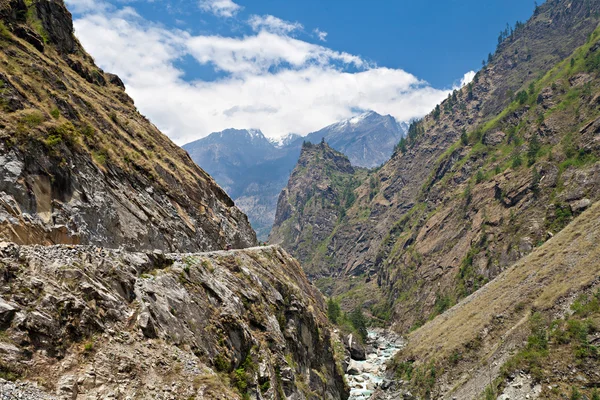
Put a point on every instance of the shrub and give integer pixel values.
(533, 150)
(479, 177)
(55, 113)
(464, 138)
(32, 119)
(221, 363)
(522, 97)
(517, 161)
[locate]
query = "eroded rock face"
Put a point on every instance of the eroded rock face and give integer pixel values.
(80, 165)
(93, 322)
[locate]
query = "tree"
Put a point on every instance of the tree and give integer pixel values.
(535, 182)
(437, 112)
(401, 146)
(464, 139)
(480, 177)
(333, 310)
(359, 322)
(522, 97)
(490, 58)
(572, 62)
(533, 150)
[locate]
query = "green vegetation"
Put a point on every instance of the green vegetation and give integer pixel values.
(359, 322)
(333, 311)
(243, 377)
(4, 32)
(55, 113)
(222, 364)
(533, 150)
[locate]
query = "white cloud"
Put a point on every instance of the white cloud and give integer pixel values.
(322, 35)
(273, 24)
(84, 6)
(270, 81)
(221, 8)
(468, 78)
(259, 53)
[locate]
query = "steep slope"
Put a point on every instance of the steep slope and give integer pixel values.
(250, 168)
(319, 189)
(539, 316)
(85, 322)
(501, 166)
(254, 170)
(79, 164)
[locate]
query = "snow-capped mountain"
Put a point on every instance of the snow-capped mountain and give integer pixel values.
(367, 139)
(254, 169)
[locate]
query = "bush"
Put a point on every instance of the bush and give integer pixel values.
(533, 150)
(32, 119)
(522, 97)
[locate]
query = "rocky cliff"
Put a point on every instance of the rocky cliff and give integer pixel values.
(319, 190)
(85, 322)
(497, 169)
(79, 164)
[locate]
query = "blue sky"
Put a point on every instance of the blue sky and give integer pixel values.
(282, 66)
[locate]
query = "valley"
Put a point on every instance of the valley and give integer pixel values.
(455, 257)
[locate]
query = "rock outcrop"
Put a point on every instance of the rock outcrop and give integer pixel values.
(79, 163)
(311, 205)
(85, 322)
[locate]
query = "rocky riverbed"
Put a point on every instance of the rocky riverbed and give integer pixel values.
(366, 376)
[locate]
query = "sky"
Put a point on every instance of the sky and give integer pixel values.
(288, 66)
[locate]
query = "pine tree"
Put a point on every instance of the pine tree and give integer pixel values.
(359, 322)
(333, 311)
(464, 139)
(533, 150)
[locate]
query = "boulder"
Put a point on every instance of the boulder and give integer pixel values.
(356, 349)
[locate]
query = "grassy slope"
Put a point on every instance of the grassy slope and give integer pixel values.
(493, 320)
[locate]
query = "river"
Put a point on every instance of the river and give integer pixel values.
(365, 376)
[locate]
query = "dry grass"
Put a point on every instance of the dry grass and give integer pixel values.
(565, 264)
(124, 137)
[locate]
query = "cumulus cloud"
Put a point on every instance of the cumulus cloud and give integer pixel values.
(221, 8)
(268, 80)
(322, 35)
(273, 24)
(84, 6)
(468, 78)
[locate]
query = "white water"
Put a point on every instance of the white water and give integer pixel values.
(381, 347)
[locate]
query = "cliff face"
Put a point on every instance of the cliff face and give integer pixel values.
(309, 208)
(85, 322)
(450, 211)
(79, 164)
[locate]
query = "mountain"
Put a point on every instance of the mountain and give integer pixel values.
(320, 184)
(253, 170)
(480, 184)
(250, 168)
(80, 165)
(368, 139)
(114, 278)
